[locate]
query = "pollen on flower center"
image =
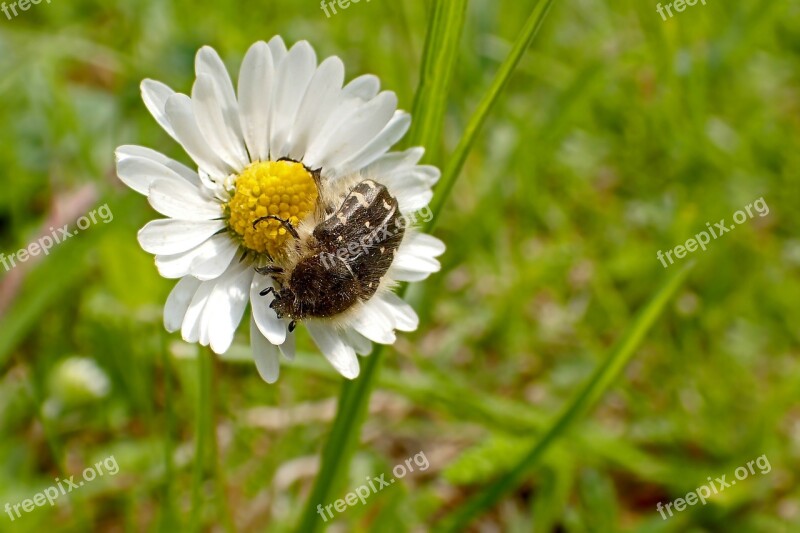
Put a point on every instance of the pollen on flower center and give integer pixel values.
(282, 188)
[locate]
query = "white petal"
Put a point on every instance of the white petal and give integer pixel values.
(415, 259)
(292, 78)
(176, 198)
(408, 182)
(374, 323)
(155, 95)
(177, 265)
(139, 173)
(272, 327)
(191, 329)
(360, 344)
(217, 188)
(405, 318)
(255, 93)
(411, 193)
(318, 103)
(130, 150)
(426, 175)
(410, 200)
(278, 49)
(178, 302)
(394, 161)
(215, 256)
(169, 237)
(364, 87)
(357, 129)
(181, 116)
(288, 347)
(265, 355)
(205, 262)
(223, 136)
(425, 245)
(226, 307)
(318, 148)
(388, 136)
(429, 172)
(412, 272)
(207, 62)
(340, 354)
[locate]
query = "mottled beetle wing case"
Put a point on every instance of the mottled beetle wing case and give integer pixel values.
(353, 249)
(366, 225)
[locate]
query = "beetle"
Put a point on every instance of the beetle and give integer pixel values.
(342, 261)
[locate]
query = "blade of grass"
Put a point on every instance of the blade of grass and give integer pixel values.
(436, 73)
(476, 121)
(595, 388)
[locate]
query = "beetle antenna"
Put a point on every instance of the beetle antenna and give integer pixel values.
(284, 222)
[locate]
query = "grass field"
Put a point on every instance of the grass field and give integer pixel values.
(619, 135)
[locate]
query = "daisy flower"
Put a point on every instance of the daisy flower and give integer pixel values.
(296, 206)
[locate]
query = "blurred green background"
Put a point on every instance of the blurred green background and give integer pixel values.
(619, 135)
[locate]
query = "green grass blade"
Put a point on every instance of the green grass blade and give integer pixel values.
(595, 388)
(436, 73)
(459, 156)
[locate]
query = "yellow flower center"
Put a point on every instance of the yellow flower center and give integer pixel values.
(281, 188)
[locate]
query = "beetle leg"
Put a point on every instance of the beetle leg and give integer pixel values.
(267, 291)
(269, 270)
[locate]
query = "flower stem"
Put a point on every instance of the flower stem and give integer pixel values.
(339, 449)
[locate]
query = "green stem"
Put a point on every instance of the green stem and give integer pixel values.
(436, 73)
(339, 449)
(595, 388)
